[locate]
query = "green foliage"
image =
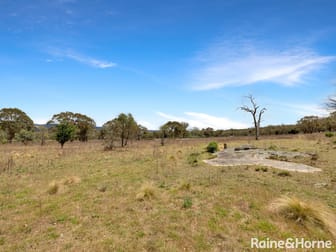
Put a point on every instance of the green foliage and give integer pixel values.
(284, 174)
(12, 120)
(187, 203)
(24, 136)
(193, 158)
(83, 124)
(3, 137)
(173, 129)
(121, 129)
(212, 147)
(64, 133)
(329, 134)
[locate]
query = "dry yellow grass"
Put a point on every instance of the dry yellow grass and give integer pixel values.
(195, 208)
(147, 191)
(305, 213)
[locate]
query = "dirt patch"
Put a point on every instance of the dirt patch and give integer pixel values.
(235, 157)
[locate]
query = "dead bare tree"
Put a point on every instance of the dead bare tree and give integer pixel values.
(254, 112)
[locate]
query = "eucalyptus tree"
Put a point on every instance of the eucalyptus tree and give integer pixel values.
(83, 124)
(120, 129)
(13, 120)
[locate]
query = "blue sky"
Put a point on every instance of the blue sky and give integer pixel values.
(192, 61)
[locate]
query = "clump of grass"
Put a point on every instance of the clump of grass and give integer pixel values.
(187, 203)
(71, 180)
(193, 158)
(53, 187)
(185, 186)
(102, 188)
(314, 156)
(147, 191)
(264, 169)
(304, 213)
(273, 147)
(284, 174)
(278, 157)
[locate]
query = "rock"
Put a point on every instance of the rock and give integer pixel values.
(245, 147)
(320, 185)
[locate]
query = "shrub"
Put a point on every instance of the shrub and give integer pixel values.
(329, 134)
(212, 147)
(24, 136)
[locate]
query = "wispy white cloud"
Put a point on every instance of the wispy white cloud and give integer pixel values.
(147, 124)
(225, 64)
(201, 120)
(81, 58)
(306, 109)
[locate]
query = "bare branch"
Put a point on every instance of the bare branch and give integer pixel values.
(253, 110)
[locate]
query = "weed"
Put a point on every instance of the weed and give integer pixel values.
(187, 203)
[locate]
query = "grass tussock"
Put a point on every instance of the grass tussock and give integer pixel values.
(72, 180)
(305, 213)
(53, 187)
(147, 191)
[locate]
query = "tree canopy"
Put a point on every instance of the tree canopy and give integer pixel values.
(13, 120)
(64, 132)
(122, 129)
(82, 123)
(174, 129)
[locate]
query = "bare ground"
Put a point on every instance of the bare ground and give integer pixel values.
(232, 157)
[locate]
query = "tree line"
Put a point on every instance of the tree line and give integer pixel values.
(119, 131)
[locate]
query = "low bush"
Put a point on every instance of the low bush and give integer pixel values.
(212, 147)
(329, 134)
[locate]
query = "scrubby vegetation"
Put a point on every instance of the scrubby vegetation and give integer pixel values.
(212, 147)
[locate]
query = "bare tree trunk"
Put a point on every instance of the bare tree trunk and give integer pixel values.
(253, 112)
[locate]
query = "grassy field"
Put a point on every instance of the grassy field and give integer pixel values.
(153, 198)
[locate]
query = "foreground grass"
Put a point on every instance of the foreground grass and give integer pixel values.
(153, 198)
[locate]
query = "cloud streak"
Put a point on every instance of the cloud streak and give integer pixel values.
(226, 65)
(83, 59)
(306, 109)
(201, 120)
